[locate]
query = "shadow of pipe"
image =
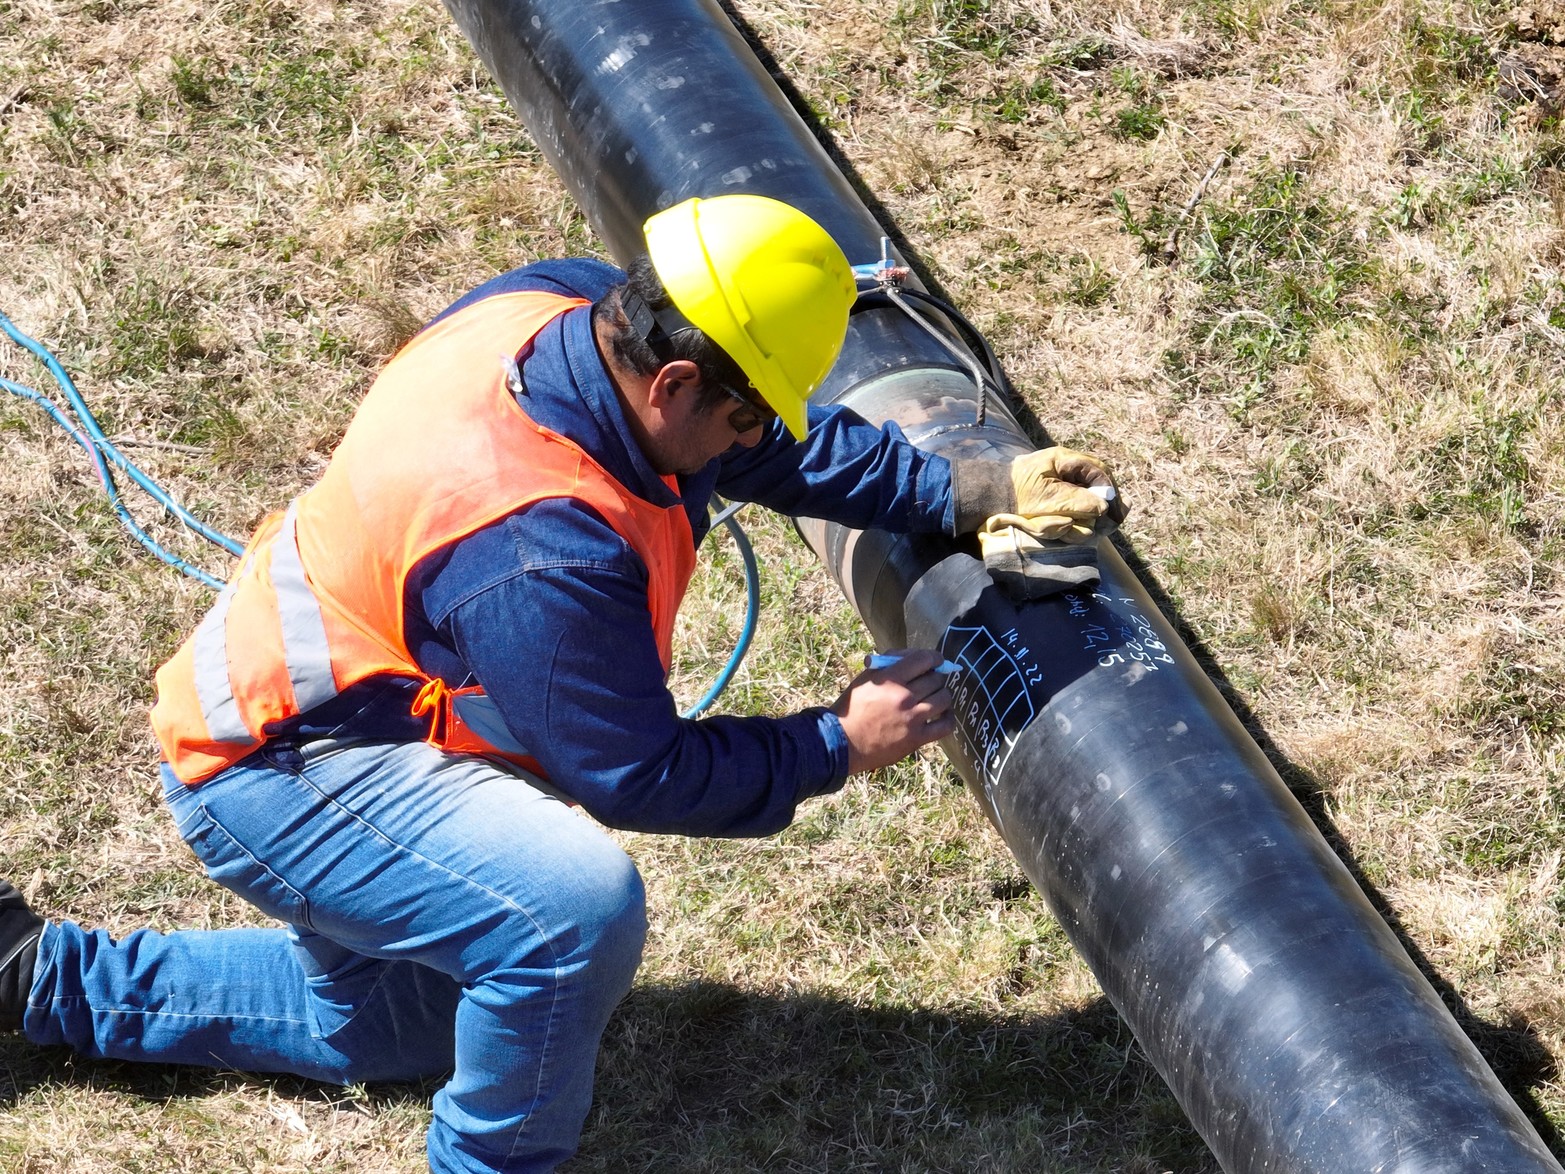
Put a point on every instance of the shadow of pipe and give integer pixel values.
(1512, 1047)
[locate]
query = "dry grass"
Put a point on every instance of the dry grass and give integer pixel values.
(1292, 266)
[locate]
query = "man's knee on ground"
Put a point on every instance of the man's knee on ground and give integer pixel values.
(592, 915)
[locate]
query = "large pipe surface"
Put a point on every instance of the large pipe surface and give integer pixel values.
(1282, 1011)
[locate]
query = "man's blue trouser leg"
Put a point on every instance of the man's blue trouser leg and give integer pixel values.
(443, 914)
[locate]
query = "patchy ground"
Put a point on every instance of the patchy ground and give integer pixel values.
(1294, 268)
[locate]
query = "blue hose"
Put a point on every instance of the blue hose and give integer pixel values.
(101, 467)
(106, 448)
(752, 592)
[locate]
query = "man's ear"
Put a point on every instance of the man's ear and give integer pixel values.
(676, 379)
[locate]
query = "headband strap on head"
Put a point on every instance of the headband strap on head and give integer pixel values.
(657, 329)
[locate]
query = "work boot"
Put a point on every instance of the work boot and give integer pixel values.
(20, 929)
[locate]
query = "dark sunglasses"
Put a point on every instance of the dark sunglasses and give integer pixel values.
(749, 414)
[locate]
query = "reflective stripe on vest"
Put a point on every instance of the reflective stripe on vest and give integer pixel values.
(212, 684)
(305, 649)
(438, 449)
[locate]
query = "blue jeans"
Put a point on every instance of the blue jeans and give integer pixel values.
(442, 914)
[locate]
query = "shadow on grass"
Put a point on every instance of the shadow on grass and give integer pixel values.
(1513, 1047)
(25, 1067)
(708, 1077)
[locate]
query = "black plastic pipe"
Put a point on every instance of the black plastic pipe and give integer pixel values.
(1282, 1011)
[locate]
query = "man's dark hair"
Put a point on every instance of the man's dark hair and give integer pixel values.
(630, 346)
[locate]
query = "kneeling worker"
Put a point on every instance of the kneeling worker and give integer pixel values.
(376, 733)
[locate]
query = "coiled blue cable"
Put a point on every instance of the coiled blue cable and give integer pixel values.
(111, 455)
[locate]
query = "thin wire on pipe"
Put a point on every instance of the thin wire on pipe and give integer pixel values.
(960, 353)
(888, 280)
(974, 337)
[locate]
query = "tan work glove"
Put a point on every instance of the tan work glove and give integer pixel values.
(1060, 481)
(1050, 486)
(1032, 558)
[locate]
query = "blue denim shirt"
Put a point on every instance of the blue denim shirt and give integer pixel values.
(547, 608)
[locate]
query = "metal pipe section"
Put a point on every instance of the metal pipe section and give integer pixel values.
(1282, 1011)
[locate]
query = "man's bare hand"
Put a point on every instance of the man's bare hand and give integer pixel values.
(888, 713)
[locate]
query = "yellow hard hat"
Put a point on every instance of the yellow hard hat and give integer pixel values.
(764, 282)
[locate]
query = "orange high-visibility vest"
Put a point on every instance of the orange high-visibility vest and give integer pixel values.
(439, 448)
